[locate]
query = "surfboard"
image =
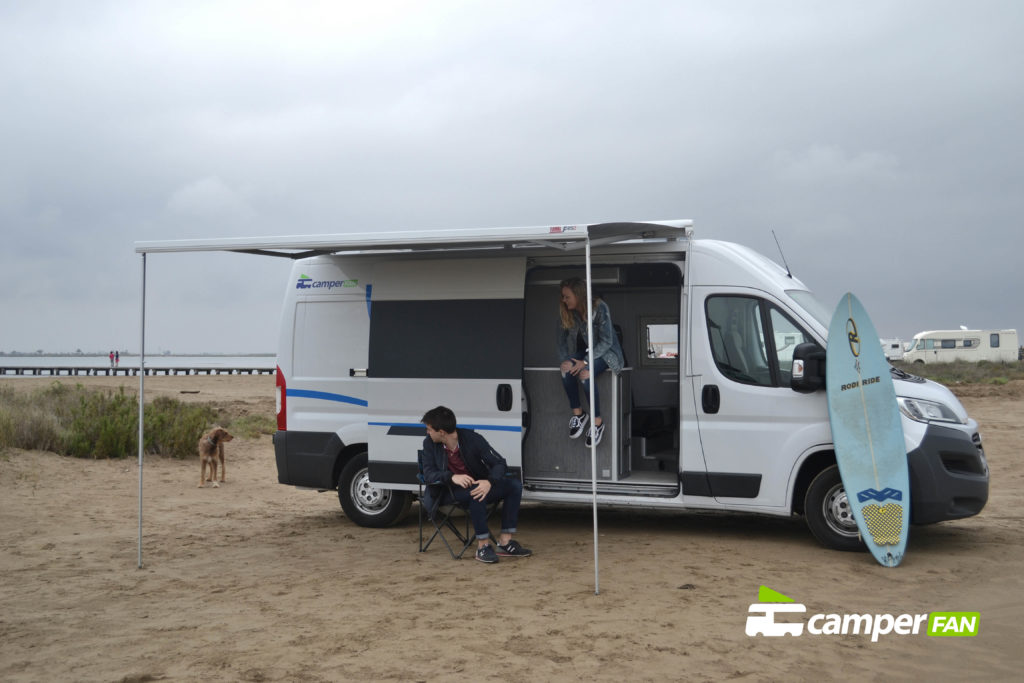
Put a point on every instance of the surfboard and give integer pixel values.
(867, 432)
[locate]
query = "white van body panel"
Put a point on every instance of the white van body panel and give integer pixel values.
(757, 422)
(348, 389)
(946, 346)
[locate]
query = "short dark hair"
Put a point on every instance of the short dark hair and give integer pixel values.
(440, 419)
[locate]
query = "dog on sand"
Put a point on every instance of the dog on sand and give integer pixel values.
(211, 449)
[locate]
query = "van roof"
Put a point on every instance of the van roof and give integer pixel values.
(1008, 330)
(563, 237)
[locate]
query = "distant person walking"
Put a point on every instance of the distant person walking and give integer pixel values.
(111, 359)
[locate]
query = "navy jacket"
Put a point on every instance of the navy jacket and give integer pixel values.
(482, 461)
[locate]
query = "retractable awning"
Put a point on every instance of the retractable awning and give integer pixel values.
(558, 237)
(563, 237)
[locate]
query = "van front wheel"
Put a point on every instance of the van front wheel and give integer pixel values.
(365, 503)
(829, 515)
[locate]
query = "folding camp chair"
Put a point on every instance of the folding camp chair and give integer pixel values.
(437, 506)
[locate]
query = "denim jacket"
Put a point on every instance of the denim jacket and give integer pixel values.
(607, 345)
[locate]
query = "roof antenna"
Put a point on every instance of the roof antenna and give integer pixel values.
(788, 271)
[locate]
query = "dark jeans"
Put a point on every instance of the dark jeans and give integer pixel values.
(572, 384)
(507, 489)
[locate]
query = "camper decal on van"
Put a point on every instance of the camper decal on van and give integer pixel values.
(306, 282)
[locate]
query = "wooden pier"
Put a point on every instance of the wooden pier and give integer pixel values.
(55, 371)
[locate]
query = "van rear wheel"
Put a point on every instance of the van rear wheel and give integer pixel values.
(365, 503)
(829, 514)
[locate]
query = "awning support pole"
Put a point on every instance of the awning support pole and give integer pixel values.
(142, 395)
(593, 442)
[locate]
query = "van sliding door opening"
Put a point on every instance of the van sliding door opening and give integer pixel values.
(443, 332)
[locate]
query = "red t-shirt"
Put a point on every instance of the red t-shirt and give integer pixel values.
(455, 462)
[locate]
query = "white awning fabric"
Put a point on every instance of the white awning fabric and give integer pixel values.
(564, 237)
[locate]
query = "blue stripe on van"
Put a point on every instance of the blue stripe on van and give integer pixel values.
(419, 425)
(326, 396)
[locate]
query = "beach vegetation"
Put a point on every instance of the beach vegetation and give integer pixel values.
(966, 372)
(100, 424)
(251, 426)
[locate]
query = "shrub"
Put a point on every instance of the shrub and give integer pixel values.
(173, 428)
(99, 424)
(251, 426)
(103, 425)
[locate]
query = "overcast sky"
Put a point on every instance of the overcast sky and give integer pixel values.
(882, 141)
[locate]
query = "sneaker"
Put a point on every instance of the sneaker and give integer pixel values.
(596, 433)
(513, 549)
(576, 425)
(486, 554)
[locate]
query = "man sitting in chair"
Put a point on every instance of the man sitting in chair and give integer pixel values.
(475, 473)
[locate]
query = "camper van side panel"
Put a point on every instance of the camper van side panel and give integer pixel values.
(322, 352)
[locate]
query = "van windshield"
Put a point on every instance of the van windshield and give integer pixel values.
(810, 303)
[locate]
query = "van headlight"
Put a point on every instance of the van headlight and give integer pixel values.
(920, 410)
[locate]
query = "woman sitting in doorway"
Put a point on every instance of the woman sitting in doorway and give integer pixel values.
(581, 360)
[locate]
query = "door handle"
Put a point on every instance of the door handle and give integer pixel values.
(503, 397)
(710, 399)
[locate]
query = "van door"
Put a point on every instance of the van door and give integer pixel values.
(753, 427)
(443, 332)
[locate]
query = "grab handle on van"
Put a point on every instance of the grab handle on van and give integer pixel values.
(503, 397)
(710, 399)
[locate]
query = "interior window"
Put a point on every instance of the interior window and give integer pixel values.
(660, 341)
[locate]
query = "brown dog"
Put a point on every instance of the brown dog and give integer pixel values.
(211, 449)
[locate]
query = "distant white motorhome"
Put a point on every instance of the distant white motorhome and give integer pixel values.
(946, 346)
(892, 348)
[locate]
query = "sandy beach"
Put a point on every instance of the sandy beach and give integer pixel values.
(255, 581)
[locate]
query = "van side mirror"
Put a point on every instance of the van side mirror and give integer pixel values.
(808, 368)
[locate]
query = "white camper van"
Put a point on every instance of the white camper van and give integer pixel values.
(378, 328)
(946, 346)
(892, 348)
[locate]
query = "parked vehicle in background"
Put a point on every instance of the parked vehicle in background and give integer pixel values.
(946, 346)
(893, 349)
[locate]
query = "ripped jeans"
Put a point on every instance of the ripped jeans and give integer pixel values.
(572, 384)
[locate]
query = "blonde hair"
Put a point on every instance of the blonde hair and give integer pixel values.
(578, 287)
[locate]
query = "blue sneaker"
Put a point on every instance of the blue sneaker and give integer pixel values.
(486, 554)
